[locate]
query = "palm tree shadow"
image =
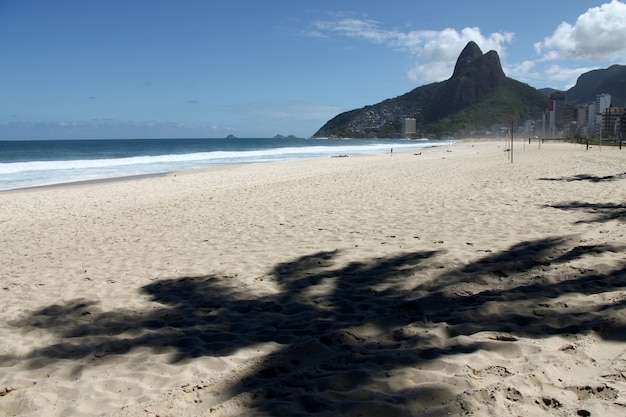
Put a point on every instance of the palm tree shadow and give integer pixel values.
(588, 177)
(603, 212)
(342, 330)
(205, 315)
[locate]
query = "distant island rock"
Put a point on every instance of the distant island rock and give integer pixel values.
(285, 137)
(231, 137)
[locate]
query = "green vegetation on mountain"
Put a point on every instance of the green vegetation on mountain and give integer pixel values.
(610, 80)
(476, 96)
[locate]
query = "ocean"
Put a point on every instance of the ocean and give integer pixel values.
(25, 164)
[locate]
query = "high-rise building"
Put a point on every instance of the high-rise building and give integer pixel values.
(544, 124)
(570, 120)
(581, 118)
(409, 128)
(591, 117)
(556, 112)
(611, 119)
(603, 102)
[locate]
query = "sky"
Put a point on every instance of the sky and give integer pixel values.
(98, 69)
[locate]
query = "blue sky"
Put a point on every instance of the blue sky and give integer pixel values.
(209, 68)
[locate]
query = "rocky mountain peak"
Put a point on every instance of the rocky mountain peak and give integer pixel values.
(475, 76)
(477, 95)
(470, 53)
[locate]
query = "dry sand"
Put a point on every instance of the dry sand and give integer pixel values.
(451, 282)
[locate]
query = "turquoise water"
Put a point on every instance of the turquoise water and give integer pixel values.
(35, 163)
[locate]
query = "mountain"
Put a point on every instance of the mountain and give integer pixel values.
(548, 91)
(476, 96)
(610, 80)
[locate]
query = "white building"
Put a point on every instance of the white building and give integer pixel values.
(603, 102)
(528, 128)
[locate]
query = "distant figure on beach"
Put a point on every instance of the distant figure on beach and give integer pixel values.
(391, 150)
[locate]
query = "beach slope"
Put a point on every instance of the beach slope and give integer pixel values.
(448, 281)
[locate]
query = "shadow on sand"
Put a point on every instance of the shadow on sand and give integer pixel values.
(342, 330)
(588, 177)
(602, 212)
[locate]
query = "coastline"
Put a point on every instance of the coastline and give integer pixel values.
(86, 182)
(438, 281)
(92, 182)
(65, 162)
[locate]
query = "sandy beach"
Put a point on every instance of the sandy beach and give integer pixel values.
(444, 282)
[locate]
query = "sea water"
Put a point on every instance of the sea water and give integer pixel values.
(25, 164)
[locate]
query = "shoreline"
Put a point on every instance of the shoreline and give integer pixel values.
(444, 281)
(123, 176)
(181, 172)
(82, 183)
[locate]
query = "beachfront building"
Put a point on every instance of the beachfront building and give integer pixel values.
(581, 117)
(591, 118)
(544, 124)
(528, 129)
(570, 120)
(611, 122)
(409, 127)
(593, 123)
(556, 114)
(603, 102)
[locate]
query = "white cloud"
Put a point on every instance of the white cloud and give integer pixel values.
(597, 38)
(526, 71)
(598, 35)
(356, 28)
(565, 76)
(541, 74)
(435, 52)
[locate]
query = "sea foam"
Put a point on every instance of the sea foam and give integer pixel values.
(88, 166)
